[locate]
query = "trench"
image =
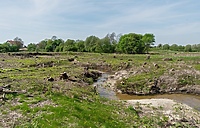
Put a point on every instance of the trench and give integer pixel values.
(188, 99)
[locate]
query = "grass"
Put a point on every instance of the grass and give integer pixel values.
(73, 104)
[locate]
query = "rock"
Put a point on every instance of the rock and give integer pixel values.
(50, 79)
(179, 59)
(1, 89)
(154, 90)
(92, 74)
(167, 59)
(112, 77)
(145, 63)
(8, 86)
(171, 70)
(119, 91)
(156, 65)
(148, 57)
(63, 76)
(86, 68)
(70, 59)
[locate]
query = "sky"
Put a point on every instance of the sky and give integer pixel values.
(171, 21)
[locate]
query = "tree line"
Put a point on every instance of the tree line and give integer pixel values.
(180, 48)
(131, 43)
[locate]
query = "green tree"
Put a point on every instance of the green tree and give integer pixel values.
(41, 45)
(148, 40)
(196, 47)
(49, 47)
(32, 47)
(188, 48)
(174, 47)
(7, 47)
(90, 43)
(131, 43)
(181, 48)
(69, 45)
(112, 37)
(80, 46)
(104, 46)
(165, 47)
(59, 44)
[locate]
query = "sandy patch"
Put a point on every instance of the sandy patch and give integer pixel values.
(176, 112)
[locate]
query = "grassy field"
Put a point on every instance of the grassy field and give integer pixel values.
(39, 102)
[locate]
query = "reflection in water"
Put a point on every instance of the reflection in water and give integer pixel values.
(190, 100)
(102, 90)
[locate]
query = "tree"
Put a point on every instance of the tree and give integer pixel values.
(19, 42)
(49, 47)
(80, 46)
(118, 37)
(131, 43)
(159, 46)
(181, 48)
(7, 47)
(41, 45)
(69, 45)
(59, 48)
(165, 47)
(32, 47)
(112, 37)
(148, 40)
(104, 46)
(174, 47)
(53, 38)
(188, 48)
(90, 43)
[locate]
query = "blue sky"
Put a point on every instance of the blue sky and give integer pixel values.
(171, 21)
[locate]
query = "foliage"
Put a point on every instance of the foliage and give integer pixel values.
(6, 47)
(69, 45)
(188, 48)
(18, 42)
(104, 46)
(175, 47)
(131, 43)
(31, 47)
(90, 43)
(148, 40)
(80, 46)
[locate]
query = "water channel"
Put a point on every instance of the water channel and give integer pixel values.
(191, 100)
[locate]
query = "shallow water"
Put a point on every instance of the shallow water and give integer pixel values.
(191, 100)
(103, 91)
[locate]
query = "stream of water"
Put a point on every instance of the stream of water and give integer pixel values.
(190, 100)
